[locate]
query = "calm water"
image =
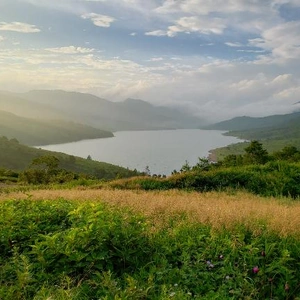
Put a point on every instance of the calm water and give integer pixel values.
(163, 150)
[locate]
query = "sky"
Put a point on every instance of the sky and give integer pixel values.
(216, 58)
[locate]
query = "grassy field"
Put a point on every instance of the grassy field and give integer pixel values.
(219, 210)
(101, 243)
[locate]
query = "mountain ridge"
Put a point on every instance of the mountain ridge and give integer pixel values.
(130, 114)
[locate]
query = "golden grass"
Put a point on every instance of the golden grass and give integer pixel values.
(214, 208)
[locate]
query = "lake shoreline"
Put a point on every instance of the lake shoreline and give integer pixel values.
(163, 151)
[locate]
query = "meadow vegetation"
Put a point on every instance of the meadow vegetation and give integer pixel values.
(150, 237)
(82, 247)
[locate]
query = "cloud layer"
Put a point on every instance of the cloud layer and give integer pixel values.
(218, 58)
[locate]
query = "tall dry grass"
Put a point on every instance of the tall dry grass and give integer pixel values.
(214, 208)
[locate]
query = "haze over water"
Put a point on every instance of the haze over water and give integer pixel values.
(162, 150)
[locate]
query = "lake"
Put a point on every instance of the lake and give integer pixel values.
(161, 150)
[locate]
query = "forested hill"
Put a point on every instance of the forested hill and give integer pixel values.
(44, 132)
(274, 132)
(247, 123)
(285, 131)
(16, 156)
(131, 114)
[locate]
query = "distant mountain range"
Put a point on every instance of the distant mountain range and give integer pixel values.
(131, 114)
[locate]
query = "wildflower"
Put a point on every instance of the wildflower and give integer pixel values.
(209, 264)
(221, 256)
(286, 287)
(172, 294)
(255, 269)
(263, 253)
(227, 277)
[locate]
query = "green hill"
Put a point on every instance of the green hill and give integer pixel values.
(275, 133)
(247, 123)
(38, 132)
(16, 156)
(287, 130)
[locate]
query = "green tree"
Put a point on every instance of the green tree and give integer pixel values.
(48, 163)
(186, 167)
(255, 153)
(290, 153)
(232, 160)
(203, 164)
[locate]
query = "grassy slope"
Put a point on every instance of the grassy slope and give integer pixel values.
(38, 132)
(218, 209)
(181, 245)
(16, 156)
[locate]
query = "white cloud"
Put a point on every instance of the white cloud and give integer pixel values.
(18, 27)
(133, 33)
(99, 20)
(230, 44)
(282, 40)
(201, 25)
(85, 72)
(204, 7)
(192, 24)
(71, 50)
(156, 59)
(1, 38)
(208, 17)
(251, 51)
(157, 33)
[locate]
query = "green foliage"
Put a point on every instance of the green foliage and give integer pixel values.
(288, 153)
(7, 176)
(275, 178)
(49, 162)
(71, 250)
(255, 154)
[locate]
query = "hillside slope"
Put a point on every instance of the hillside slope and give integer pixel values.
(247, 123)
(37, 132)
(18, 157)
(275, 133)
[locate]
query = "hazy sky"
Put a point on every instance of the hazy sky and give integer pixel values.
(219, 58)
